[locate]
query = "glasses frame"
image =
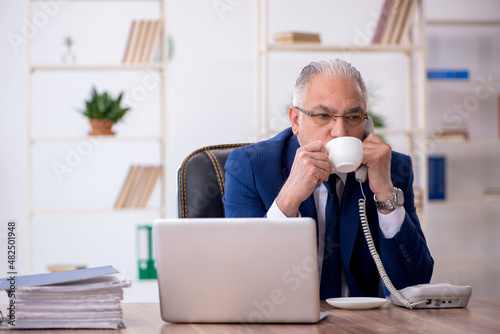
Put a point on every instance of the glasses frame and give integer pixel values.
(365, 117)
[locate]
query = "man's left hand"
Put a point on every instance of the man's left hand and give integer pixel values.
(377, 157)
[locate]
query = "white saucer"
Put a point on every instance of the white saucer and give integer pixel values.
(356, 303)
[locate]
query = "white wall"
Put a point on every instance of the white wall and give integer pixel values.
(210, 101)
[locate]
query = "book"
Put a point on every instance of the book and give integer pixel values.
(437, 177)
(132, 43)
(122, 199)
(382, 21)
(143, 37)
(404, 37)
(152, 43)
(296, 37)
(452, 135)
(399, 19)
(448, 74)
(133, 196)
(143, 42)
(82, 298)
(452, 132)
(492, 192)
(152, 178)
(138, 186)
(390, 22)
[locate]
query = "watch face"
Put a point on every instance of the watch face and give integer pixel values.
(400, 198)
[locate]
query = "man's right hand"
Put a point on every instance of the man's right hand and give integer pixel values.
(311, 167)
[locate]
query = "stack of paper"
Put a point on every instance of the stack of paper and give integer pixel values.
(84, 298)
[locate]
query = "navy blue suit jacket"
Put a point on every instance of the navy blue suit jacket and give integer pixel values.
(255, 175)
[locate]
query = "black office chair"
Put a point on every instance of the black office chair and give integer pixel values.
(200, 182)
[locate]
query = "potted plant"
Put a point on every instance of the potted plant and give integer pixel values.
(103, 111)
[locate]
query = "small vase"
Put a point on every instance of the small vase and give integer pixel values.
(101, 127)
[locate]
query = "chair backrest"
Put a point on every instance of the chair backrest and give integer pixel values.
(200, 182)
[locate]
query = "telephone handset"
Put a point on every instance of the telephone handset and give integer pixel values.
(437, 295)
(362, 173)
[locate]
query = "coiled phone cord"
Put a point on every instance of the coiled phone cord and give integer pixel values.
(376, 257)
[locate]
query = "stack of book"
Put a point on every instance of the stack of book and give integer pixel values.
(394, 24)
(138, 187)
(83, 298)
(296, 37)
(492, 192)
(451, 133)
(143, 42)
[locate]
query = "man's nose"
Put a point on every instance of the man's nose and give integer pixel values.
(338, 128)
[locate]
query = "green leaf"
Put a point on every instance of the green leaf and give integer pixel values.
(103, 106)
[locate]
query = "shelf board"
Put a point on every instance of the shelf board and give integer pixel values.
(108, 67)
(308, 47)
(462, 83)
(101, 210)
(464, 201)
(387, 131)
(103, 0)
(464, 22)
(470, 141)
(108, 138)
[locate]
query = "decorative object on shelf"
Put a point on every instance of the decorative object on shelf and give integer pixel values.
(103, 111)
(143, 42)
(448, 74)
(68, 57)
(138, 187)
(394, 24)
(437, 177)
(296, 37)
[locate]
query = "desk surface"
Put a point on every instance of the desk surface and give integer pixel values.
(482, 315)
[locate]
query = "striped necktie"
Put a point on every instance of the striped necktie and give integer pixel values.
(330, 274)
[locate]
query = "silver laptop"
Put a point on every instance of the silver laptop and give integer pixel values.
(245, 270)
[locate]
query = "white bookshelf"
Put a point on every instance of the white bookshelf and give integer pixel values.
(157, 142)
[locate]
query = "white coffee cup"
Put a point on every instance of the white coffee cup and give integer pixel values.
(345, 153)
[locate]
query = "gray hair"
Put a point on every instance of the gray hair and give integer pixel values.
(336, 68)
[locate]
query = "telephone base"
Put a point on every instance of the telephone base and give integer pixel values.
(436, 295)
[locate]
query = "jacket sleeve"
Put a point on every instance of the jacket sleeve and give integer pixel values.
(241, 197)
(406, 257)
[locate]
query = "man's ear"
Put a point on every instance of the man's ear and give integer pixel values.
(293, 114)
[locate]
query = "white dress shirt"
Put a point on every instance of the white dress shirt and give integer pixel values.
(389, 224)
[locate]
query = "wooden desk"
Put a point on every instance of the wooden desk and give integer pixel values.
(481, 316)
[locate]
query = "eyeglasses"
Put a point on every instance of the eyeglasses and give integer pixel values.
(322, 119)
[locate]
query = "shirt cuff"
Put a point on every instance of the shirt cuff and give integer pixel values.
(391, 223)
(275, 212)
